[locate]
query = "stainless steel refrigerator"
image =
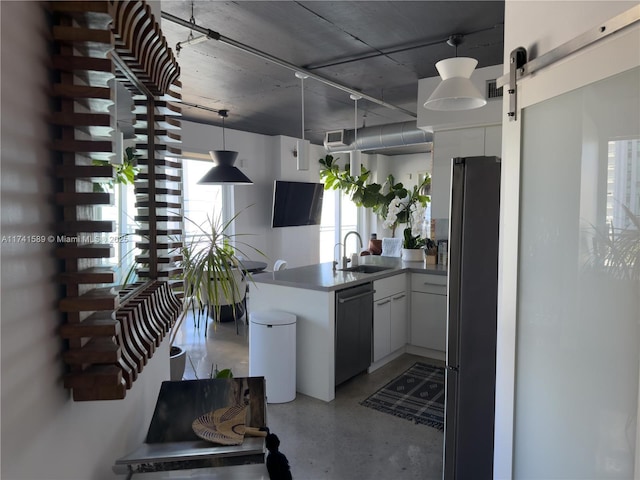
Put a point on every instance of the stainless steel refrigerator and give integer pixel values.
(471, 323)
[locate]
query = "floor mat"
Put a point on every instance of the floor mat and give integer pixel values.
(416, 395)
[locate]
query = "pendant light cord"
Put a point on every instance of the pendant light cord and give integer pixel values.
(455, 40)
(355, 98)
(355, 123)
(224, 144)
(223, 114)
(355, 156)
(302, 89)
(302, 76)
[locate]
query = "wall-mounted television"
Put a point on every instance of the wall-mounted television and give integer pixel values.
(296, 203)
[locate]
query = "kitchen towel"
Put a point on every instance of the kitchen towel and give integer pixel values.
(391, 247)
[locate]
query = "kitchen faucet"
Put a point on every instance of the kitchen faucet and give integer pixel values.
(344, 241)
(335, 263)
(343, 260)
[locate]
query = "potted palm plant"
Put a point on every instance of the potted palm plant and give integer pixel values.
(210, 268)
(211, 262)
(615, 251)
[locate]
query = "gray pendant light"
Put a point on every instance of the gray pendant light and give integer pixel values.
(223, 170)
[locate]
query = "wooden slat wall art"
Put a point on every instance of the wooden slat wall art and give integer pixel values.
(159, 184)
(111, 333)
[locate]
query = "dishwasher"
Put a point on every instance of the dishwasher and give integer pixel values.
(354, 327)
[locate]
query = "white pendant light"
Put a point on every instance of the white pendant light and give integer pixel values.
(456, 91)
(223, 171)
(356, 160)
(302, 145)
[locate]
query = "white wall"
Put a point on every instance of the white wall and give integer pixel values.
(46, 435)
(297, 245)
(263, 159)
(405, 168)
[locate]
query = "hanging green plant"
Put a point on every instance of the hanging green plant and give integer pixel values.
(380, 197)
(124, 173)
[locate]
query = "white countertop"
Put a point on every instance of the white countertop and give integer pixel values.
(322, 276)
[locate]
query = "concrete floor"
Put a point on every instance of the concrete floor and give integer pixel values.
(335, 440)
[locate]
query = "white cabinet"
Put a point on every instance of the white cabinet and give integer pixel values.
(381, 328)
(429, 311)
(398, 336)
(389, 315)
(463, 142)
(493, 141)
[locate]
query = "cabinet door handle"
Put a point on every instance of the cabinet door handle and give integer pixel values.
(400, 296)
(383, 302)
(434, 284)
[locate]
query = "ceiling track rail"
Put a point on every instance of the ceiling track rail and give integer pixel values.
(519, 68)
(202, 107)
(283, 63)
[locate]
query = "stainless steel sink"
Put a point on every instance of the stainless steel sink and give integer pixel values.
(367, 269)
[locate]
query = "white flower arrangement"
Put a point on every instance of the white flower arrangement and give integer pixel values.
(395, 207)
(416, 219)
(409, 210)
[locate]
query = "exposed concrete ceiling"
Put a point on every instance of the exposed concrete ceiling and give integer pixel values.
(377, 47)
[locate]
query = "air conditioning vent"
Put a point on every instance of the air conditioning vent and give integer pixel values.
(492, 90)
(334, 138)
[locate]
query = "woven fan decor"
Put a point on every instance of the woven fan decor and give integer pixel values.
(225, 426)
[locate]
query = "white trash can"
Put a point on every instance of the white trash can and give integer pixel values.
(272, 353)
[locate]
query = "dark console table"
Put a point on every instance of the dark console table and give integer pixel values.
(171, 444)
(252, 266)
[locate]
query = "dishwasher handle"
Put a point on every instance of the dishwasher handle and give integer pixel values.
(359, 295)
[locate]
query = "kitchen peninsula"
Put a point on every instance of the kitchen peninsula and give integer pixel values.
(313, 293)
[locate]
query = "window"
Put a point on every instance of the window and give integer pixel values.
(623, 183)
(122, 213)
(339, 216)
(200, 201)
(126, 250)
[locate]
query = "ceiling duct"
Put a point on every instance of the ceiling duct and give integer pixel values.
(379, 137)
